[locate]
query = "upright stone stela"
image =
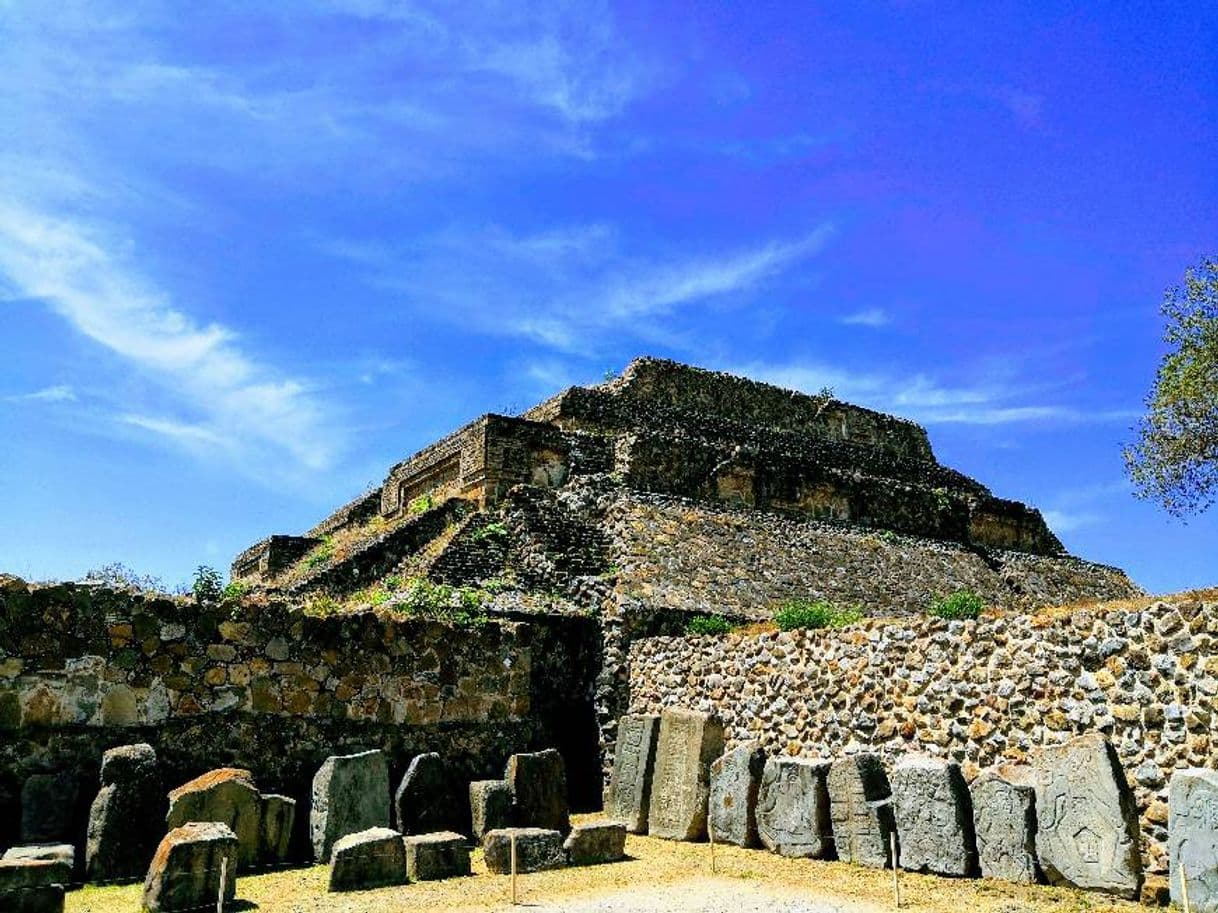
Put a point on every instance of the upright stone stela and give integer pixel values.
(934, 817)
(860, 806)
(680, 790)
(1193, 838)
(735, 781)
(1004, 813)
(793, 808)
(633, 767)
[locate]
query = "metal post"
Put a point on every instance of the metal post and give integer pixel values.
(710, 832)
(223, 881)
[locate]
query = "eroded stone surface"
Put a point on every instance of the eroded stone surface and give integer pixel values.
(444, 854)
(350, 794)
(860, 808)
(1004, 816)
(126, 815)
(735, 779)
(490, 805)
(538, 781)
(187, 868)
(371, 858)
(680, 789)
(537, 849)
(1087, 824)
(424, 802)
(633, 766)
(48, 802)
(793, 808)
(1192, 838)
(275, 831)
(934, 817)
(226, 795)
(592, 844)
(61, 855)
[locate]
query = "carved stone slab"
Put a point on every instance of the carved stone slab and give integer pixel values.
(227, 795)
(490, 806)
(793, 808)
(934, 817)
(735, 779)
(1192, 837)
(538, 782)
(689, 741)
(350, 794)
(633, 765)
(1087, 822)
(186, 868)
(1004, 814)
(423, 803)
(860, 806)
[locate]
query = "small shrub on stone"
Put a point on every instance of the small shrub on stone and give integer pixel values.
(493, 530)
(797, 614)
(420, 504)
(320, 555)
(121, 577)
(961, 605)
(708, 624)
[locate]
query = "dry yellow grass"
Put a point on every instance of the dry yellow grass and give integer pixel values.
(652, 863)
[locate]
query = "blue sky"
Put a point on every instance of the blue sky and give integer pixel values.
(251, 257)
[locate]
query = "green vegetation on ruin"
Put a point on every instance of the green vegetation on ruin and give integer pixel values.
(797, 614)
(959, 606)
(708, 624)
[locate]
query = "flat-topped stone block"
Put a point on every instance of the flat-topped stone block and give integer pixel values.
(860, 809)
(1004, 815)
(490, 806)
(350, 794)
(735, 779)
(537, 849)
(424, 801)
(371, 858)
(597, 842)
(680, 789)
(187, 867)
(934, 817)
(793, 808)
(1192, 838)
(634, 758)
(47, 898)
(275, 829)
(538, 781)
(226, 795)
(63, 855)
(429, 857)
(1087, 819)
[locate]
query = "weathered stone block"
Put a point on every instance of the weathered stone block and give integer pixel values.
(680, 789)
(860, 808)
(633, 766)
(1004, 815)
(592, 844)
(735, 779)
(62, 856)
(429, 857)
(1192, 837)
(793, 808)
(350, 794)
(126, 815)
(226, 795)
(22, 874)
(48, 802)
(490, 804)
(537, 849)
(934, 817)
(47, 898)
(538, 782)
(275, 830)
(1087, 822)
(424, 801)
(187, 867)
(371, 858)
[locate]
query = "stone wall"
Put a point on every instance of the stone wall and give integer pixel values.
(269, 688)
(976, 692)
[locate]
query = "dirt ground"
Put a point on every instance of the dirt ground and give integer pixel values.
(659, 877)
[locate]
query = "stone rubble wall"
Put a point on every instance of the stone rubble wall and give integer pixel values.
(976, 692)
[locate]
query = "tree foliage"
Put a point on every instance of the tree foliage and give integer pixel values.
(1174, 460)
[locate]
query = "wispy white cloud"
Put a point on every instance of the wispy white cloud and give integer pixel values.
(870, 317)
(60, 393)
(200, 368)
(1061, 521)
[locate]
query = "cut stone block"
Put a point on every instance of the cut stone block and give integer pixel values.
(1004, 814)
(1087, 820)
(934, 817)
(226, 795)
(275, 831)
(1192, 837)
(490, 805)
(20, 874)
(735, 779)
(592, 844)
(187, 867)
(61, 855)
(634, 760)
(350, 794)
(793, 808)
(538, 782)
(860, 808)
(126, 816)
(537, 849)
(48, 804)
(424, 802)
(680, 788)
(47, 898)
(429, 857)
(371, 858)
